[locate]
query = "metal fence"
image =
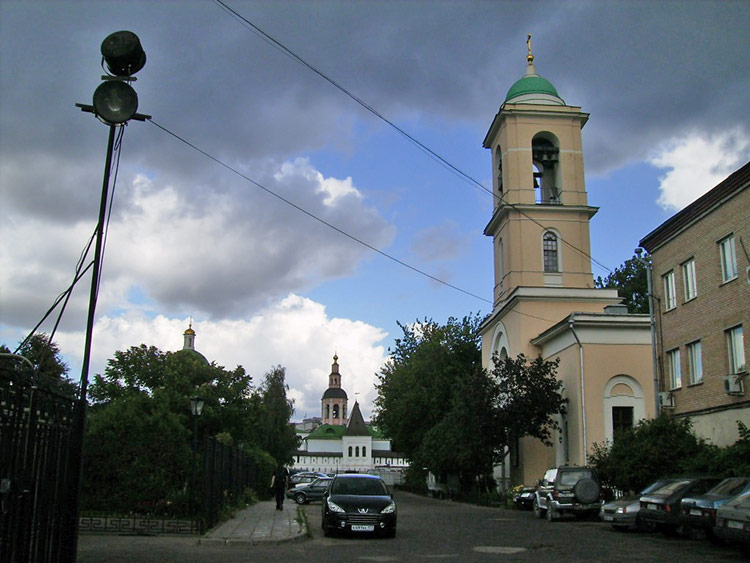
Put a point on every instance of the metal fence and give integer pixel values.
(38, 466)
(227, 473)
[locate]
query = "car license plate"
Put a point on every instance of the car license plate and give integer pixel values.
(652, 506)
(362, 528)
(695, 512)
(608, 518)
(735, 525)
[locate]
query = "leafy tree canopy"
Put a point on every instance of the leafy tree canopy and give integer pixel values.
(436, 402)
(631, 282)
(277, 436)
(49, 370)
(171, 380)
(528, 397)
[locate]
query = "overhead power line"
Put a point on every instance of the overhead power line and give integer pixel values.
(315, 217)
(413, 140)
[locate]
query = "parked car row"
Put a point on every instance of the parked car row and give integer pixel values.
(711, 506)
(695, 504)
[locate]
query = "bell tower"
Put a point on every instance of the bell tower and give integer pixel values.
(540, 218)
(540, 223)
(335, 401)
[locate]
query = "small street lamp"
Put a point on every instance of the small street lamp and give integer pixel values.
(196, 406)
(196, 409)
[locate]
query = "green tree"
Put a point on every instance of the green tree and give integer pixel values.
(528, 397)
(435, 400)
(50, 370)
(631, 282)
(468, 440)
(172, 379)
(137, 457)
(140, 429)
(277, 436)
(660, 447)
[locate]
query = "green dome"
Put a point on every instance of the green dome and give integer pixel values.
(531, 85)
(533, 89)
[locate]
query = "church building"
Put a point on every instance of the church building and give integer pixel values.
(345, 442)
(545, 303)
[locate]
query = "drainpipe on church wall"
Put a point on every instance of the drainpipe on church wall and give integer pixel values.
(571, 324)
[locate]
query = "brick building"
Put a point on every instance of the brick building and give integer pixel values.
(701, 281)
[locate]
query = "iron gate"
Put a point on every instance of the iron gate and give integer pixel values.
(38, 465)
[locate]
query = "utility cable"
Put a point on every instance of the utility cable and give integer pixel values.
(67, 293)
(315, 217)
(424, 148)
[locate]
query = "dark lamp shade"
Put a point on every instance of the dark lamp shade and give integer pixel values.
(115, 102)
(196, 405)
(123, 53)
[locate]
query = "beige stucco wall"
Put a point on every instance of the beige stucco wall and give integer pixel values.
(720, 428)
(617, 371)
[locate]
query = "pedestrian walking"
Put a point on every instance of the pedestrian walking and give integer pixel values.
(279, 484)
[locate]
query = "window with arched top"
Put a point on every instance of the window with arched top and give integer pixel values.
(550, 252)
(364, 451)
(328, 411)
(335, 411)
(350, 451)
(499, 161)
(356, 451)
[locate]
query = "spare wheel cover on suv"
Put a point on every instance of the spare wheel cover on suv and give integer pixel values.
(586, 490)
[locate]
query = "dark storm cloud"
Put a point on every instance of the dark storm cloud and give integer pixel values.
(647, 71)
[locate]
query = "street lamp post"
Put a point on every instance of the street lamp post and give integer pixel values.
(650, 288)
(196, 409)
(115, 102)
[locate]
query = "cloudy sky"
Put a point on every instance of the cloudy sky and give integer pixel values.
(226, 244)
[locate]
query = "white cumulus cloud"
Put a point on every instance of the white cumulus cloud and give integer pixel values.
(696, 163)
(294, 332)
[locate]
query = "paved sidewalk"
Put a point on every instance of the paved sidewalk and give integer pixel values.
(259, 523)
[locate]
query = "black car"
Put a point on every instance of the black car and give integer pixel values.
(524, 498)
(359, 503)
(305, 492)
(662, 506)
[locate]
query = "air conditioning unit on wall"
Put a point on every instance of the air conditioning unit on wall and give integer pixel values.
(666, 400)
(733, 384)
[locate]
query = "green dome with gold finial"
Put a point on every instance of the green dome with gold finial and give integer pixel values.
(532, 88)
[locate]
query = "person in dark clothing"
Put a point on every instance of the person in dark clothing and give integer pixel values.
(279, 484)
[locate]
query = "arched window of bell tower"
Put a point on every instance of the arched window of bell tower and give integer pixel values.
(545, 160)
(335, 411)
(499, 169)
(551, 252)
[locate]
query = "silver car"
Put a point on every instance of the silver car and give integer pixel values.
(622, 514)
(733, 520)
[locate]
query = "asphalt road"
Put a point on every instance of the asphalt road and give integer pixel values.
(430, 530)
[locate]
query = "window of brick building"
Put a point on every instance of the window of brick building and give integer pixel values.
(673, 365)
(689, 280)
(736, 349)
(728, 256)
(670, 299)
(695, 362)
